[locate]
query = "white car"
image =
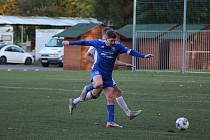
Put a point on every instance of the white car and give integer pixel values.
(52, 53)
(14, 54)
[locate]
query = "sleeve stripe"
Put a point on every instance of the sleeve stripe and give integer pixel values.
(128, 52)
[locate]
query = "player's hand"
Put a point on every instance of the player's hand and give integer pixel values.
(130, 65)
(148, 55)
(65, 43)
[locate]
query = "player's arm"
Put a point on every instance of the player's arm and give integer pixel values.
(80, 42)
(89, 57)
(124, 49)
(138, 54)
(120, 63)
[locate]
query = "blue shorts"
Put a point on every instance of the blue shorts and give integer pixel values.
(107, 80)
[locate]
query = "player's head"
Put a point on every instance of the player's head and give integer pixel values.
(104, 32)
(111, 37)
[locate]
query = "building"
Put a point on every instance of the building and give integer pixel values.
(197, 50)
(23, 28)
(74, 55)
(147, 39)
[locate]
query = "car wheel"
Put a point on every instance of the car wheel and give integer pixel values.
(45, 64)
(60, 64)
(28, 61)
(3, 60)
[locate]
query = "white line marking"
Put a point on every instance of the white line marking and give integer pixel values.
(174, 95)
(76, 90)
(34, 88)
(203, 110)
(179, 101)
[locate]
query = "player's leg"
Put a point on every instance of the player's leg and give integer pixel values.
(110, 97)
(120, 100)
(96, 84)
(123, 105)
(94, 94)
(90, 95)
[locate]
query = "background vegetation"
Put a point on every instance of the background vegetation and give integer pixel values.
(112, 12)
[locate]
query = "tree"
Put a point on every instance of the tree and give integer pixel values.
(6, 6)
(117, 12)
(38, 8)
(79, 8)
(160, 11)
(198, 12)
(52, 8)
(170, 11)
(2, 3)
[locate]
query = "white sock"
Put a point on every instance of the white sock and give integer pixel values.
(76, 100)
(121, 102)
(88, 97)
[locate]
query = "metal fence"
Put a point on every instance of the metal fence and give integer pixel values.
(171, 53)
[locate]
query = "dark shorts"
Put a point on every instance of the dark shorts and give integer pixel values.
(107, 80)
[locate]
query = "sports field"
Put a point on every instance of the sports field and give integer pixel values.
(33, 106)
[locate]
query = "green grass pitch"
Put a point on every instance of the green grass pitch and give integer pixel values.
(33, 106)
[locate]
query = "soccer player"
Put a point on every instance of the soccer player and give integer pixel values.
(90, 55)
(107, 52)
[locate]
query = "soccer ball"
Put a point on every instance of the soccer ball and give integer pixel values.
(182, 123)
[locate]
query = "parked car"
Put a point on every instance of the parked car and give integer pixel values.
(14, 54)
(52, 53)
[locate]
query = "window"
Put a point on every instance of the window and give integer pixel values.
(1, 46)
(54, 42)
(6, 37)
(16, 49)
(9, 49)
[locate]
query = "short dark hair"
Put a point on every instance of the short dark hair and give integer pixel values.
(111, 34)
(105, 29)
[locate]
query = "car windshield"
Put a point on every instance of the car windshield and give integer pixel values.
(54, 42)
(1, 46)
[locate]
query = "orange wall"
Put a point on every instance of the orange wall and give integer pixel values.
(74, 55)
(199, 42)
(71, 59)
(91, 35)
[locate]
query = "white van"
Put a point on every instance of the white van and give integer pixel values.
(52, 53)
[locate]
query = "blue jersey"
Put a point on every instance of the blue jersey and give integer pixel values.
(106, 55)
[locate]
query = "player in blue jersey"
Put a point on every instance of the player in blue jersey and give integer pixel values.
(107, 52)
(91, 56)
